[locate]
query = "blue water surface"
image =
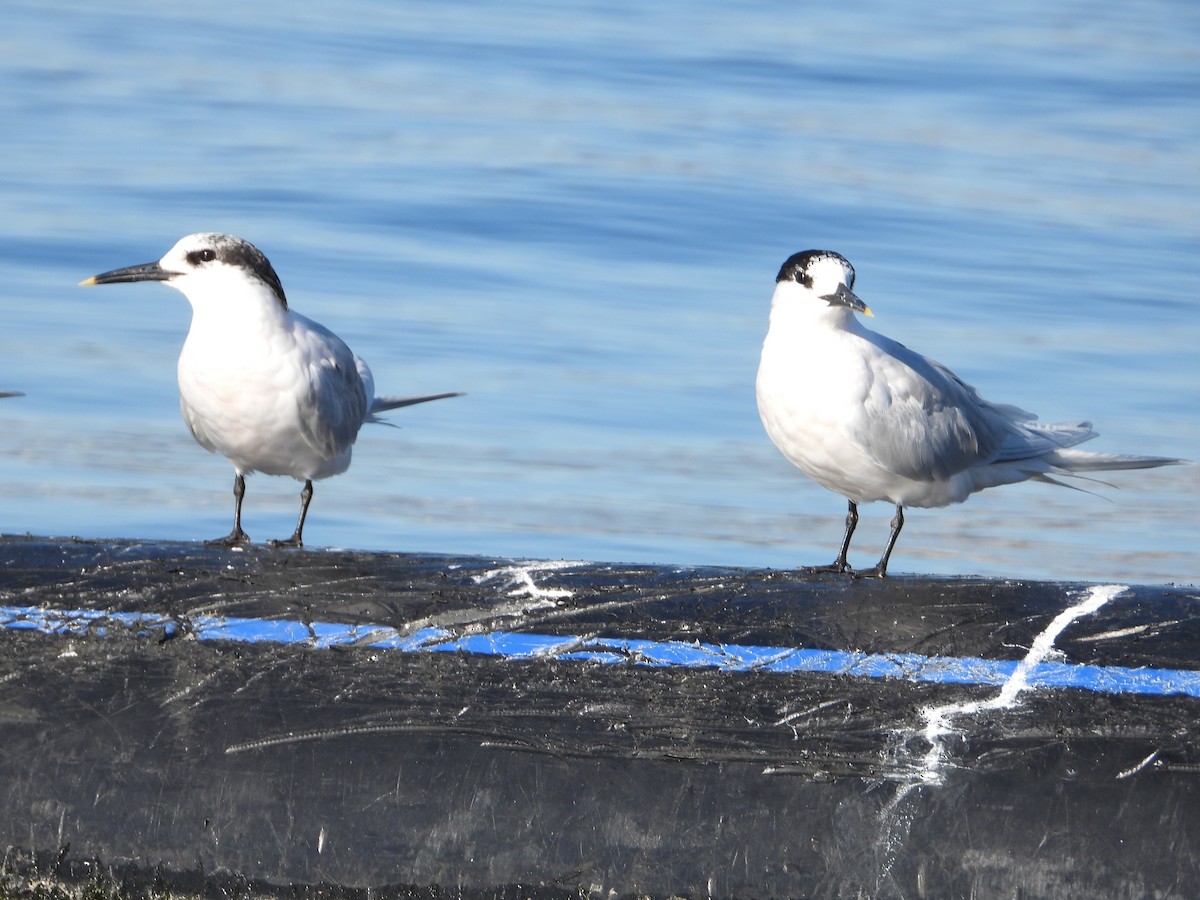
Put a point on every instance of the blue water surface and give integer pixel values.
(575, 214)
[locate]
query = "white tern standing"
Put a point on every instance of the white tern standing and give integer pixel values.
(866, 417)
(270, 390)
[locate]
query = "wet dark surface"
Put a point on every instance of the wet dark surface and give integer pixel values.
(356, 767)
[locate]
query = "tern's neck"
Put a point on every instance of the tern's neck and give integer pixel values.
(244, 308)
(797, 311)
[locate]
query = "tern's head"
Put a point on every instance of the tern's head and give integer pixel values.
(205, 264)
(823, 275)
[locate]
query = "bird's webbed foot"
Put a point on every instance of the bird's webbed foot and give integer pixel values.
(235, 538)
(293, 541)
(873, 572)
(837, 567)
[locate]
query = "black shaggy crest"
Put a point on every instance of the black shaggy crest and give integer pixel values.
(796, 267)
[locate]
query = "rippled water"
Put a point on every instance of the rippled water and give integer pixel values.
(576, 216)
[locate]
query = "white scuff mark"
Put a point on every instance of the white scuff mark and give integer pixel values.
(188, 689)
(321, 840)
(579, 643)
(527, 597)
(1133, 770)
(791, 717)
(1127, 632)
(519, 579)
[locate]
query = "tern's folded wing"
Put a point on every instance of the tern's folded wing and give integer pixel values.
(920, 421)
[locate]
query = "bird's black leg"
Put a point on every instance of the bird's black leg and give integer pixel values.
(880, 568)
(840, 564)
(295, 539)
(237, 537)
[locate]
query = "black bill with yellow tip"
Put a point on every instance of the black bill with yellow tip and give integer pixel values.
(145, 272)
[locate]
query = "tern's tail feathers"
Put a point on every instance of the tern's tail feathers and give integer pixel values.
(1065, 462)
(1054, 444)
(383, 404)
(1072, 460)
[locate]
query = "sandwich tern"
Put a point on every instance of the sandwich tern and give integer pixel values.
(866, 417)
(269, 389)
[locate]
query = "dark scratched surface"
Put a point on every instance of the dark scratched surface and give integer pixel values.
(289, 766)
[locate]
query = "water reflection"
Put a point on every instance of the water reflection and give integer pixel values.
(576, 218)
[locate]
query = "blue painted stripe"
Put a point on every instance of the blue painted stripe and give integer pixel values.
(609, 650)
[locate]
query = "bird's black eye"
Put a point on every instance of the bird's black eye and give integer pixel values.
(800, 275)
(207, 255)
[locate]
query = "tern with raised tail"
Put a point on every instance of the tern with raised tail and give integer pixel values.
(269, 389)
(866, 417)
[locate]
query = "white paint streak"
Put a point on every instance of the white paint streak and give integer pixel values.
(938, 718)
(897, 816)
(519, 579)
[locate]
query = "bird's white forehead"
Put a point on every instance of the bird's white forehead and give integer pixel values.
(831, 265)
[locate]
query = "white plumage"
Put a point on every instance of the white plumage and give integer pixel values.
(269, 389)
(866, 417)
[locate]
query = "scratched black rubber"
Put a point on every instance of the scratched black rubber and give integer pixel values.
(303, 771)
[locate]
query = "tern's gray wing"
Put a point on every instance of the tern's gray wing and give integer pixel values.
(921, 421)
(1030, 439)
(334, 403)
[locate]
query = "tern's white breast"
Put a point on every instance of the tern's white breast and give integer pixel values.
(248, 391)
(820, 386)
